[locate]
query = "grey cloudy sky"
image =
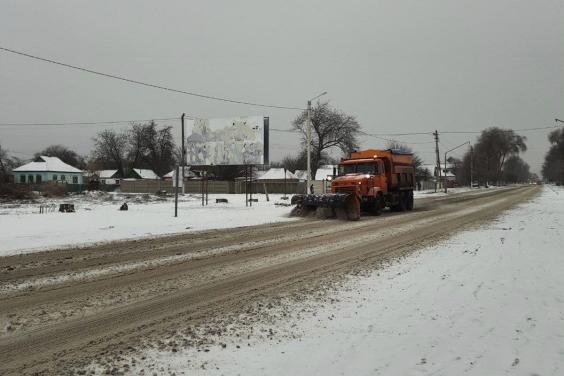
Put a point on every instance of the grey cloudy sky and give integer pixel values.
(399, 66)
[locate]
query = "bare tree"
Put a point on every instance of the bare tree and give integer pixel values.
(64, 154)
(110, 150)
(396, 145)
(515, 170)
(331, 128)
(494, 146)
(553, 166)
(7, 164)
(151, 147)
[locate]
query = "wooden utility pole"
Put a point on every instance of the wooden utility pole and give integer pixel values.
(438, 167)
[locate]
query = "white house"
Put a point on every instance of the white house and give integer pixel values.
(141, 173)
(277, 175)
(44, 169)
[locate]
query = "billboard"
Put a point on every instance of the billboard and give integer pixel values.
(228, 141)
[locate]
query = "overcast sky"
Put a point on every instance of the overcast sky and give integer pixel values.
(398, 66)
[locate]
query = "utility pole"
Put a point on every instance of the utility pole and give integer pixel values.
(446, 152)
(438, 174)
(183, 163)
(308, 147)
(471, 166)
(176, 194)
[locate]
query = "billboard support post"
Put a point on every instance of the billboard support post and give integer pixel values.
(202, 187)
(176, 194)
(207, 186)
(251, 183)
(183, 153)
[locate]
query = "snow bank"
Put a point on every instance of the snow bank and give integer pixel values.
(98, 219)
(486, 302)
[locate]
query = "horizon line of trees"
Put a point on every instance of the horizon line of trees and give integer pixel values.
(496, 158)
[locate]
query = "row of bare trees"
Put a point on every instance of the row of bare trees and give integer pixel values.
(495, 159)
(553, 166)
(140, 146)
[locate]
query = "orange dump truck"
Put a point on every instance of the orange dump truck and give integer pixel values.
(368, 181)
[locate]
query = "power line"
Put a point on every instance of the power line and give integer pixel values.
(112, 122)
(507, 130)
(129, 80)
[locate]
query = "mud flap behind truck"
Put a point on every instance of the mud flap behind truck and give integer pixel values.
(329, 205)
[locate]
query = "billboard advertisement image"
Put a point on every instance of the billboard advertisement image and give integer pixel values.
(228, 141)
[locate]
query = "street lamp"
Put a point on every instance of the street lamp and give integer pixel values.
(448, 151)
(558, 120)
(308, 139)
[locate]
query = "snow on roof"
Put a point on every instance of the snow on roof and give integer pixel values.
(276, 174)
(145, 173)
(49, 164)
(106, 174)
(187, 173)
(301, 174)
(324, 171)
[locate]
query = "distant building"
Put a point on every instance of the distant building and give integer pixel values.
(301, 174)
(188, 174)
(47, 169)
(140, 173)
(277, 175)
(108, 177)
(325, 172)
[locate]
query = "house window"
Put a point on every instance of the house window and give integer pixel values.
(38, 179)
(22, 178)
(75, 179)
(63, 178)
(54, 177)
(30, 178)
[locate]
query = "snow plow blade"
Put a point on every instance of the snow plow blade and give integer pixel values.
(330, 205)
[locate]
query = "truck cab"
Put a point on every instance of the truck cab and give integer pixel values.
(379, 178)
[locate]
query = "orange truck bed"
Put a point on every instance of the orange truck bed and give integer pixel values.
(395, 158)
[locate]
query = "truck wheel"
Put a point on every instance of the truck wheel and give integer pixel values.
(377, 206)
(410, 201)
(402, 203)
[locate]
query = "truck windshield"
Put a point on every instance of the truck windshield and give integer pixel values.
(361, 168)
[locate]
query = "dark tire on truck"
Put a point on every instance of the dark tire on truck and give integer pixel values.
(402, 206)
(409, 202)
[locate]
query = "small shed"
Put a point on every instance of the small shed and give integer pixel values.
(144, 174)
(276, 175)
(108, 177)
(188, 174)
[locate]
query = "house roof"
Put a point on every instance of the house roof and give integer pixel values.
(187, 173)
(145, 174)
(323, 172)
(106, 174)
(276, 174)
(47, 164)
(301, 174)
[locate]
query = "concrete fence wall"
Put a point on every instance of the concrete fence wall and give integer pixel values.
(217, 186)
(146, 186)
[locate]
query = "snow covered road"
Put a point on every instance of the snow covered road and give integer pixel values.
(488, 301)
(168, 304)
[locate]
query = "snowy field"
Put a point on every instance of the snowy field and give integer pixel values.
(97, 218)
(488, 301)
